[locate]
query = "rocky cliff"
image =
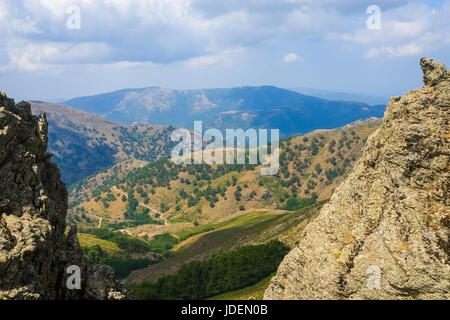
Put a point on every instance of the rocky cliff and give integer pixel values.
(36, 248)
(385, 232)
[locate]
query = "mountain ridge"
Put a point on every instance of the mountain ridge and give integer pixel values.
(241, 107)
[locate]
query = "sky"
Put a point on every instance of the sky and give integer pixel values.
(59, 49)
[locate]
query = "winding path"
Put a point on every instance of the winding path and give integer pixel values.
(100, 219)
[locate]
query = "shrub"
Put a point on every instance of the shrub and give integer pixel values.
(294, 204)
(163, 242)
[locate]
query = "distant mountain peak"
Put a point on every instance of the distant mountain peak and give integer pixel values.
(266, 106)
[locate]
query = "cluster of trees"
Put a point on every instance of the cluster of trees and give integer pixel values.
(294, 204)
(163, 242)
(133, 139)
(137, 215)
(122, 265)
(143, 194)
(209, 193)
(125, 242)
(141, 219)
(161, 172)
(331, 174)
(220, 273)
(302, 161)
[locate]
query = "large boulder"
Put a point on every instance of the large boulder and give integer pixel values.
(385, 232)
(36, 247)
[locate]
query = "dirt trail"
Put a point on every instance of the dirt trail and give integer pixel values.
(100, 219)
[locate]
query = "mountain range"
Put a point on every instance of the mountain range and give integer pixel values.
(362, 208)
(102, 130)
(242, 107)
(343, 96)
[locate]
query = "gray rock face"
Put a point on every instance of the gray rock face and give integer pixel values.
(35, 249)
(385, 232)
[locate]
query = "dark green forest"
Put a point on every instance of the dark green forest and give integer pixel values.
(220, 273)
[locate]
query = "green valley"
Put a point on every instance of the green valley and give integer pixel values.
(164, 217)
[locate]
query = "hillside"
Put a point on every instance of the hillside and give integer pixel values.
(207, 208)
(385, 232)
(84, 189)
(313, 164)
(83, 143)
(243, 107)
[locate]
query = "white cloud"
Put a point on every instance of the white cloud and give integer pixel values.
(166, 31)
(390, 31)
(40, 56)
(407, 28)
(207, 60)
(308, 19)
(291, 57)
(24, 26)
(204, 32)
(410, 49)
(225, 57)
(3, 11)
(410, 30)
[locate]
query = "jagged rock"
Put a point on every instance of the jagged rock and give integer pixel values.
(385, 232)
(35, 249)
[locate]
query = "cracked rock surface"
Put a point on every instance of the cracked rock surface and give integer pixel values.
(385, 232)
(35, 247)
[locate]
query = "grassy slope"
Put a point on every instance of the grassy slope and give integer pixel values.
(254, 292)
(87, 240)
(251, 228)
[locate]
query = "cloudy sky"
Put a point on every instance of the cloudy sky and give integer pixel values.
(47, 53)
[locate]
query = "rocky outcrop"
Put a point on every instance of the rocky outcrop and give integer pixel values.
(385, 232)
(36, 248)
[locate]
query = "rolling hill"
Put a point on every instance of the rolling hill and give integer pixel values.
(242, 107)
(193, 211)
(83, 143)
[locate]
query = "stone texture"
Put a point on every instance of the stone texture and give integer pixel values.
(35, 245)
(385, 232)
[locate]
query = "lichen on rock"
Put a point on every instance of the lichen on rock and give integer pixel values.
(36, 247)
(385, 232)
